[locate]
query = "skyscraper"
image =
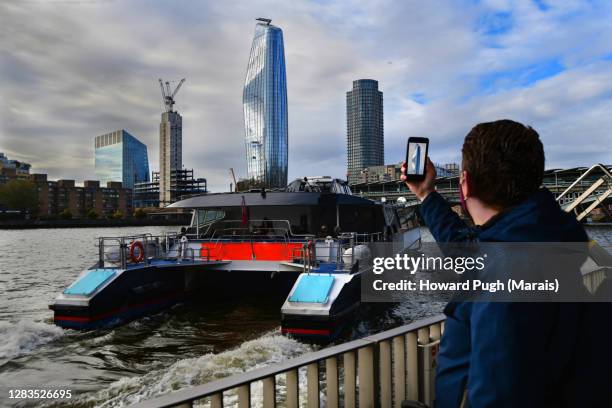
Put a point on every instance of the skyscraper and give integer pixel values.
(265, 107)
(119, 156)
(364, 128)
(170, 152)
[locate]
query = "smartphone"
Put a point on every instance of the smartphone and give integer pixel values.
(416, 156)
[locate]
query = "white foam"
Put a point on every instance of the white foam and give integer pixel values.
(17, 339)
(269, 349)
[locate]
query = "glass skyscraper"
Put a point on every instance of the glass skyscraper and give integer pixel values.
(364, 128)
(119, 156)
(265, 107)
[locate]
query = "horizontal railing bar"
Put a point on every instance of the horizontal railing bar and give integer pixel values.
(398, 331)
(225, 384)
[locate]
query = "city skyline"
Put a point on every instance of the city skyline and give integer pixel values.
(443, 68)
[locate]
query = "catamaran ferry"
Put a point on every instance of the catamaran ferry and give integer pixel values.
(309, 243)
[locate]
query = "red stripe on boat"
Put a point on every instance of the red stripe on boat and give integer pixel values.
(101, 316)
(244, 251)
(321, 332)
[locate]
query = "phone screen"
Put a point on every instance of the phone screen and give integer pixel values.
(415, 160)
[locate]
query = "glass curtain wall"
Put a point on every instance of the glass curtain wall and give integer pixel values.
(265, 108)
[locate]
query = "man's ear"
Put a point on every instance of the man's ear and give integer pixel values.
(466, 186)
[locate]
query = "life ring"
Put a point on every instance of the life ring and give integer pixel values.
(133, 256)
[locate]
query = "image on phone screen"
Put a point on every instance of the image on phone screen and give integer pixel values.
(416, 158)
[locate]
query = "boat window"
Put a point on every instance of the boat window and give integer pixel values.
(361, 219)
(205, 217)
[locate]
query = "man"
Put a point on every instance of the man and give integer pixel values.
(511, 354)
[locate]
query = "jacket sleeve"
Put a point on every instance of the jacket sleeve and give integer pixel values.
(443, 223)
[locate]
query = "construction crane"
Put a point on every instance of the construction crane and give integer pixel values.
(234, 177)
(167, 94)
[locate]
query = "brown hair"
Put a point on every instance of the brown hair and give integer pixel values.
(505, 161)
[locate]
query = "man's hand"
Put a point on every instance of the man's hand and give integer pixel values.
(421, 189)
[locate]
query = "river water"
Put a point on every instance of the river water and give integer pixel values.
(186, 345)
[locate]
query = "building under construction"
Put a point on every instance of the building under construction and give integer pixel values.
(181, 184)
(172, 181)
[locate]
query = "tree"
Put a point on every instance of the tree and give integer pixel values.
(66, 214)
(140, 213)
(92, 214)
(19, 195)
(117, 215)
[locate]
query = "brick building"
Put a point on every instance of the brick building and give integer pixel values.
(56, 196)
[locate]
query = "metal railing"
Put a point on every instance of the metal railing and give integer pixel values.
(379, 370)
(597, 192)
(154, 246)
(314, 251)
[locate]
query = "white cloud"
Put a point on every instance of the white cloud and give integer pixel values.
(71, 71)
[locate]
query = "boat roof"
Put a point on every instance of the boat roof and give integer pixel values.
(270, 198)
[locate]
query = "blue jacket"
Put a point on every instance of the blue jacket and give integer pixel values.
(518, 354)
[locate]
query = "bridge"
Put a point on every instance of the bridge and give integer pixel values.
(579, 189)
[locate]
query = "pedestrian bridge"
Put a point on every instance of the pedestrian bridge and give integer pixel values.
(579, 190)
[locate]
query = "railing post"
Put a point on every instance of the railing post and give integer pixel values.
(313, 385)
(399, 370)
(216, 400)
(412, 366)
(293, 398)
(331, 375)
(385, 374)
(244, 396)
(365, 368)
(101, 252)
(423, 334)
(349, 379)
(435, 332)
(123, 254)
(269, 392)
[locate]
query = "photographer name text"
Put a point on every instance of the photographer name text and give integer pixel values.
(509, 286)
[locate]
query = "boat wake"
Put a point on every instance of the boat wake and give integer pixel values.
(268, 349)
(22, 337)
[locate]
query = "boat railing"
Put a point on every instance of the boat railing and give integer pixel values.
(114, 251)
(383, 370)
(340, 250)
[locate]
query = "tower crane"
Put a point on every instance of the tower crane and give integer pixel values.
(233, 177)
(167, 94)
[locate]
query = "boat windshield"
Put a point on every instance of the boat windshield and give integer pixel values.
(282, 221)
(205, 217)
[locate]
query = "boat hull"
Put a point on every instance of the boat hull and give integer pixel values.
(144, 291)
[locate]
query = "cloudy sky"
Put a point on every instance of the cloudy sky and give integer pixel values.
(74, 69)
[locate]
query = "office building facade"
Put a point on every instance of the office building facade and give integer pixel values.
(121, 157)
(265, 108)
(170, 153)
(364, 128)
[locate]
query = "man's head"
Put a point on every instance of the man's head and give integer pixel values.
(503, 163)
